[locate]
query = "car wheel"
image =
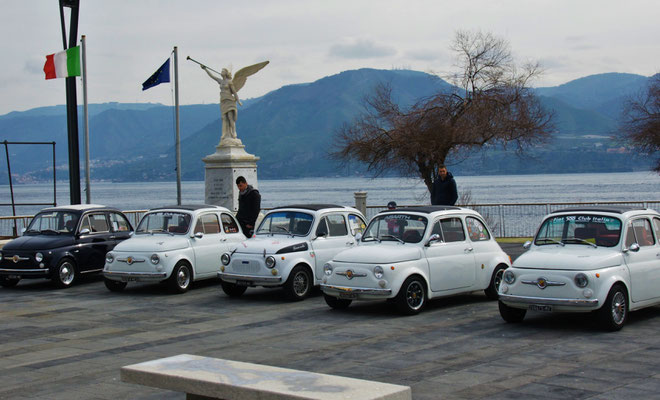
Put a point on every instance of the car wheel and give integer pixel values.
(6, 282)
(299, 284)
(614, 313)
(181, 277)
(65, 273)
(412, 297)
(495, 280)
(114, 286)
(336, 303)
(232, 289)
(510, 314)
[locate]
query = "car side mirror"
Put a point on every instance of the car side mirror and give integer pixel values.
(84, 231)
(198, 235)
(320, 234)
(527, 245)
(358, 236)
(434, 238)
(23, 230)
(131, 233)
(633, 247)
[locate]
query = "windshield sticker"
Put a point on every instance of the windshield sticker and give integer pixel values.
(584, 219)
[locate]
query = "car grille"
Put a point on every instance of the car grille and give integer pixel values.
(245, 266)
(23, 261)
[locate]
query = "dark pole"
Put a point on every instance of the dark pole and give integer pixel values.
(54, 178)
(11, 186)
(72, 104)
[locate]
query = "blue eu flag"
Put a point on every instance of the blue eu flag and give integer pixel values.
(161, 75)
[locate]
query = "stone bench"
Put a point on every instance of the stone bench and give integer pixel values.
(211, 378)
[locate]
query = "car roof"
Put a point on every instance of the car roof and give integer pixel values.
(188, 207)
(608, 208)
(80, 207)
(313, 207)
(424, 209)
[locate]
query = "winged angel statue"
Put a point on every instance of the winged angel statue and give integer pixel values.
(229, 95)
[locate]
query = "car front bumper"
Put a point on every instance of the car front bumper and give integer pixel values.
(135, 276)
(250, 280)
(356, 293)
(25, 273)
(514, 300)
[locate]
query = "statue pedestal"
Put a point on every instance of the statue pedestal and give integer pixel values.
(229, 161)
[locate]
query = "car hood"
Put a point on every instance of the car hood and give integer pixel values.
(570, 257)
(155, 243)
(380, 254)
(39, 242)
(273, 244)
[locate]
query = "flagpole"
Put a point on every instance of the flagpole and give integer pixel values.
(178, 137)
(88, 194)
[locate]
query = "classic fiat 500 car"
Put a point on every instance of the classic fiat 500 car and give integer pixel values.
(177, 245)
(600, 259)
(61, 243)
(289, 249)
(410, 255)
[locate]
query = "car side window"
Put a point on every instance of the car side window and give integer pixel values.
(643, 235)
(452, 230)
(210, 224)
(336, 225)
(85, 224)
(476, 230)
(119, 223)
(229, 225)
(437, 230)
(356, 223)
(98, 223)
(656, 224)
(322, 229)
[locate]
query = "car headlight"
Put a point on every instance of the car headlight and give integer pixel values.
(109, 258)
(509, 277)
(270, 262)
(38, 257)
(327, 269)
(581, 280)
(155, 259)
(378, 272)
(225, 258)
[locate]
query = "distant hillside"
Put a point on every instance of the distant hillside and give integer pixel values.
(292, 130)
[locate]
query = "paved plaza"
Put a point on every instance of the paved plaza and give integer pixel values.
(70, 344)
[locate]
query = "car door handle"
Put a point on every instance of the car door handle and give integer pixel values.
(113, 237)
(223, 239)
(350, 243)
(469, 249)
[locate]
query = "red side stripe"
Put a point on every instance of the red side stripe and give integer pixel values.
(49, 67)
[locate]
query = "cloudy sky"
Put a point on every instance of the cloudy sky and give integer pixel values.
(127, 40)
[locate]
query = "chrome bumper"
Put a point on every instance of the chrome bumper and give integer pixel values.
(508, 298)
(356, 290)
(25, 273)
(135, 276)
(252, 279)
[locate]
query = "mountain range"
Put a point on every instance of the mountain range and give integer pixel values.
(292, 129)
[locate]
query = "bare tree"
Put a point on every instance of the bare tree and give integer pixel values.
(641, 122)
(492, 103)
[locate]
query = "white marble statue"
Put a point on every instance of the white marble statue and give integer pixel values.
(229, 96)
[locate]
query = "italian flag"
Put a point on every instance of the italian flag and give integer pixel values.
(63, 64)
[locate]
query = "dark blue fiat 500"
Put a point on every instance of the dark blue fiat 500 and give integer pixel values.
(61, 243)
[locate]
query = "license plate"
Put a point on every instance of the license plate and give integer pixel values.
(539, 307)
(13, 277)
(129, 279)
(244, 283)
(348, 295)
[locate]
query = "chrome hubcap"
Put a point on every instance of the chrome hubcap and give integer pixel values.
(618, 308)
(498, 279)
(300, 284)
(183, 277)
(415, 295)
(66, 273)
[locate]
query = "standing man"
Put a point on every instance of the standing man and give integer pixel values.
(249, 205)
(444, 191)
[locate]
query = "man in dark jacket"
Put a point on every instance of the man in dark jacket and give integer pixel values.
(249, 205)
(444, 191)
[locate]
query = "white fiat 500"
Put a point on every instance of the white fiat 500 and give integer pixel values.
(289, 249)
(414, 254)
(177, 245)
(603, 259)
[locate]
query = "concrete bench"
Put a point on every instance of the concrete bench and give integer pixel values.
(211, 378)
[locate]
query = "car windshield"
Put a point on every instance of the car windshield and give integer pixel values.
(404, 228)
(582, 229)
(53, 222)
(164, 221)
(286, 222)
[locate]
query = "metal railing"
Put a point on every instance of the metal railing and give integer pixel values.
(505, 220)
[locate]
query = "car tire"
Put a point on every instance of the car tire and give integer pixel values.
(299, 284)
(232, 289)
(337, 303)
(495, 281)
(114, 286)
(65, 274)
(510, 314)
(6, 282)
(181, 277)
(614, 312)
(412, 296)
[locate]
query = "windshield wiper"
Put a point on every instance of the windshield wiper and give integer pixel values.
(393, 237)
(584, 241)
(50, 231)
(156, 231)
(552, 240)
(32, 231)
(364, 239)
(285, 230)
